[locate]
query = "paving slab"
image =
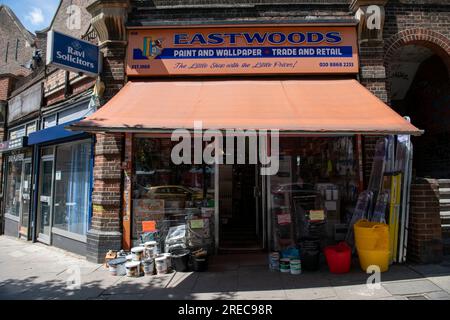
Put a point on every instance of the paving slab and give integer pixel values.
(216, 281)
(429, 270)
(360, 292)
(439, 295)
(442, 282)
(261, 295)
(410, 287)
(310, 294)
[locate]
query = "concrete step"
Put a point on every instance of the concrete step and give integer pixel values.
(444, 207)
(444, 193)
(445, 213)
(444, 183)
(444, 201)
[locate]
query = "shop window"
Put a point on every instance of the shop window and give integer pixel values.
(166, 193)
(17, 133)
(31, 128)
(72, 187)
(73, 113)
(49, 122)
(315, 190)
(13, 186)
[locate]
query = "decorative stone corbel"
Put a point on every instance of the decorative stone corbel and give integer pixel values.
(108, 19)
(371, 17)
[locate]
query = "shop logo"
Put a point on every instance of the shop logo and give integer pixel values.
(151, 48)
(227, 147)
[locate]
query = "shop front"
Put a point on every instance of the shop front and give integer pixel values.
(18, 180)
(22, 121)
(64, 162)
(256, 147)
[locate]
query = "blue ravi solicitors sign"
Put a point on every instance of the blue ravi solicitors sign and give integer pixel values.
(73, 54)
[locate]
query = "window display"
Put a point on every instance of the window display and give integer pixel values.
(314, 190)
(171, 195)
(13, 185)
(72, 187)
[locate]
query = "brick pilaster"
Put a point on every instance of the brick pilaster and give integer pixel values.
(106, 232)
(425, 232)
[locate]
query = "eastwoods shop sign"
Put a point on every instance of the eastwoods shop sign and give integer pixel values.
(73, 54)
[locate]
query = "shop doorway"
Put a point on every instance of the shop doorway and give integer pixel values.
(26, 199)
(44, 223)
(420, 86)
(18, 195)
(240, 209)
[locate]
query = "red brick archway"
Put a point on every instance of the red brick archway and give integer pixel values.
(435, 41)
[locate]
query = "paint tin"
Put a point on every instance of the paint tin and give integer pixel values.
(285, 265)
(149, 266)
(137, 253)
(133, 269)
(161, 264)
(151, 249)
(296, 267)
(117, 267)
(274, 261)
(169, 260)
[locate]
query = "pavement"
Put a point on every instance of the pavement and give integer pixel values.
(38, 272)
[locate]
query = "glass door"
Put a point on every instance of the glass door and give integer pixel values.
(45, 207)
(26, 199)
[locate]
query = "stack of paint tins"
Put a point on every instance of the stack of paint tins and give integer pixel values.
(134, 267)
(296, 266)
(274, 261)
(161, 264)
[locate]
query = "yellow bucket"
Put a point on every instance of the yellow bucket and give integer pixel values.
(371, 235)
(378, 258)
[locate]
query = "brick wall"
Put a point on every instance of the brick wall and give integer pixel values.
(6, 86)
(15, 48)
(204, 12)
(60, 22)
(425, 233)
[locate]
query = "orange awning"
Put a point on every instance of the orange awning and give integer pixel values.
(299, 106)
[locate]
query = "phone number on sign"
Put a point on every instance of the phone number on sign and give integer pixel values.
(336, 64)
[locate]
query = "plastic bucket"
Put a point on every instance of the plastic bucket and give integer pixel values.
(180, 260)
(137, 253)
(274, 261)
(149, 266)
(117, 267)
(133, 269)
(161, 265)
(296, 267)
(371, 235)
(378, 258)
(339, 258)
(200, 264)
(285, 265)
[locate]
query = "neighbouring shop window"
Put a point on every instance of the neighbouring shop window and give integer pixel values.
(315, 190)
(22, 131)
(72, 187)
(49, 122)
(170, 194)
(13, 185)
(64, 116)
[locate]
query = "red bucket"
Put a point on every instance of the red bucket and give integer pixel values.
(339, 257)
